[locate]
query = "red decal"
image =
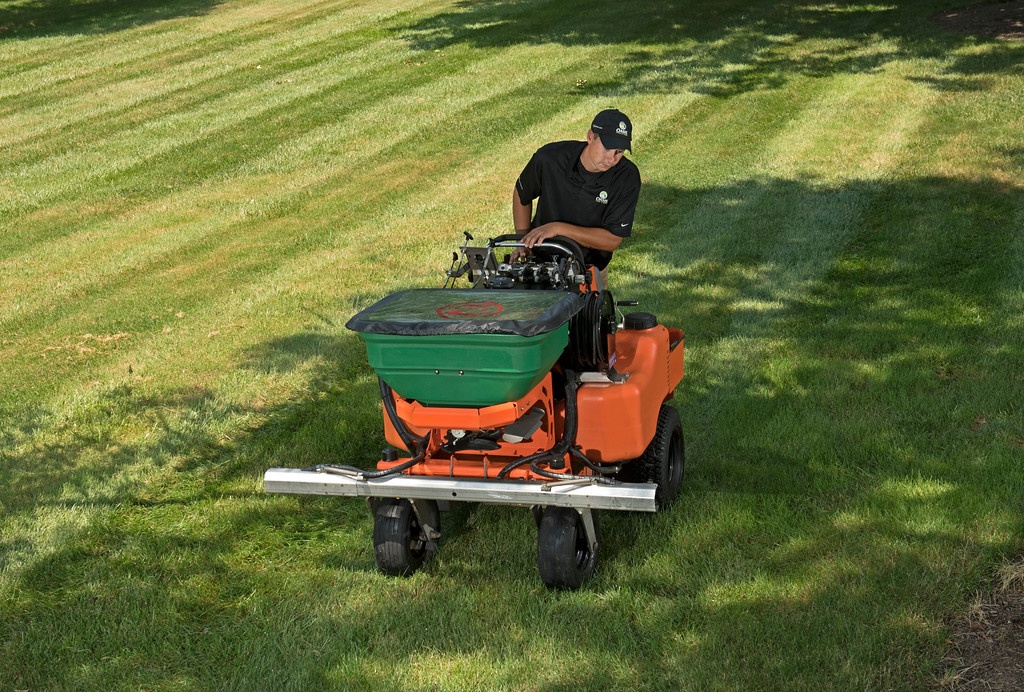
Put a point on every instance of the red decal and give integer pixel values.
(472, 311)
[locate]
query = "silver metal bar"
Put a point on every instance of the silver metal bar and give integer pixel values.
(548, 485)
(588, 528)
(631, 497)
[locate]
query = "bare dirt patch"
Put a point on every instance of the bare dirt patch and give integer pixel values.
(1003, 20)
(986, 646)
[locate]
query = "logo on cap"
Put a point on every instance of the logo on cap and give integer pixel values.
(622, 129)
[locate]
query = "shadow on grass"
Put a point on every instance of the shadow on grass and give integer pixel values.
(30, 18)
(721, 49)
(83, 458)
(844, 344)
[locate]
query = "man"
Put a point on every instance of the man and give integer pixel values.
(587, 190)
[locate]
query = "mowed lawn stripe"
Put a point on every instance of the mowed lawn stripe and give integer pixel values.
(169, 76)
(805, 221)
(707, 197)
(162, 241)
(347, 141)
(159, 146)
(34, 68)
(101, 145)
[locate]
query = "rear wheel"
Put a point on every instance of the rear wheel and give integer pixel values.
(400, 542)
(663, 462)
(565, 557)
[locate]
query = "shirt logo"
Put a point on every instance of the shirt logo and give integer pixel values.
(602, 198)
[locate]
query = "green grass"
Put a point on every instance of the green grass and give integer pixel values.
(195, 196)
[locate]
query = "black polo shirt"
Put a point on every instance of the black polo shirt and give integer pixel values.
(570, 193)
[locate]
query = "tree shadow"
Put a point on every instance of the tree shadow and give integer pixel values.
(79, 462)
(777, 240)
(32, 18)
(723, 49)
(87, 451)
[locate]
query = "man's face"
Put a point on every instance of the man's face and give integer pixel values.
(596, 158)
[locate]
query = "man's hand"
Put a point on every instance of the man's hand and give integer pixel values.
(518, 254)
(540, 234)
(597, 238)
(533, 237)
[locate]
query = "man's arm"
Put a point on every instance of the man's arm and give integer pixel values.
(587, 236)
(522, 214)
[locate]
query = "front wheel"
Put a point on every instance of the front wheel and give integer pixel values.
(663, 462)
(565, 556)
(400, 541)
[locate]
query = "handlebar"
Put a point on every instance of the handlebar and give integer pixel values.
(568, 246)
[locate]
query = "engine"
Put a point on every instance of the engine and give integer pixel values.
(556, 264)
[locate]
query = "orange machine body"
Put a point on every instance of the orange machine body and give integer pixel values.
(616, 420)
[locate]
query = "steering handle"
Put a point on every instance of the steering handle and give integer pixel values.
(559, 242)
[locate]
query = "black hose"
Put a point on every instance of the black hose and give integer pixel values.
(540, 456)
(555, 476)
(565, 445)
(587, 343)
(604, 470)
(411, 443)
(568, 435)
(408, 440)
(344, 470)
(568, 441)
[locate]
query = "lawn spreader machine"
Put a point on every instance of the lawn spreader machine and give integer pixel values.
(526, 387)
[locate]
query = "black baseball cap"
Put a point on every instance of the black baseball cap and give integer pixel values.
(614, 129)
